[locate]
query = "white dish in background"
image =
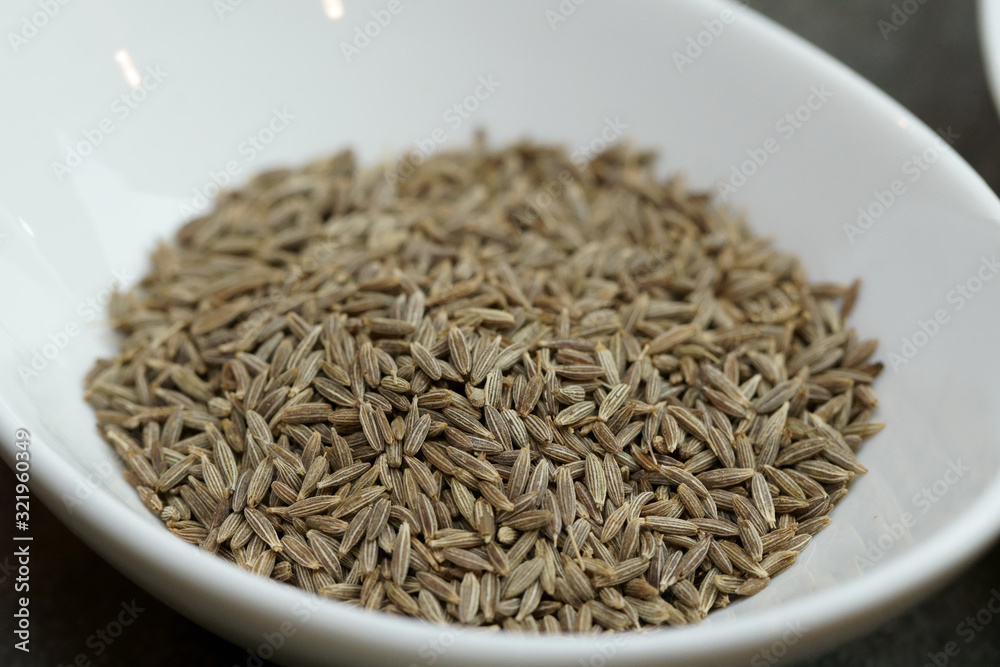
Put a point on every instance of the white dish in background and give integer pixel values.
(554, 80)
(989, 37)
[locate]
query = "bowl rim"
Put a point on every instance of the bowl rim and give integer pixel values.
(103, 521)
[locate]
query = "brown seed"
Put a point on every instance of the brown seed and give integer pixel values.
(309, 506)
(468, 592)
(574, 413)
(173, 475)
(263, 527)
(325, 550)
(299, 551)
(669, 526)
(426, 361)
(725, 477)
(466, 559)
(596, 482)
(459, 351)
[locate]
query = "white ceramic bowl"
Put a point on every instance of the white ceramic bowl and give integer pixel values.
(154, 100)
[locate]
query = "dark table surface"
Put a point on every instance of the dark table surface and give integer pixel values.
(932, 65)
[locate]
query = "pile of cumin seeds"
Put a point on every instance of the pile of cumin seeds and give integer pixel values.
(470, 396)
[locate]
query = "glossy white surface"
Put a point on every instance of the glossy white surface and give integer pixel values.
(606, 65)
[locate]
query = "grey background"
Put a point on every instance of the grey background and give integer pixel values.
(932, 65)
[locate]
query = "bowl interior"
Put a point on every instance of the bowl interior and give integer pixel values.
(131, 134)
